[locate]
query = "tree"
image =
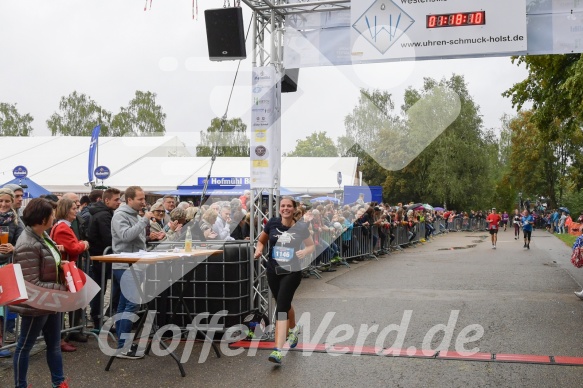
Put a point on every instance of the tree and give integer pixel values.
(363, 127)
(225, 138)
(539, 166)
(13, 123)
(142, 116)
(318, 144)
(453, 169)
(553, 86)
(79, 114)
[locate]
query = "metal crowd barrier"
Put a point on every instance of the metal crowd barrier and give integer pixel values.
(467, 225)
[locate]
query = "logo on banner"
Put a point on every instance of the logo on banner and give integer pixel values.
(20, 172)
(260, 151)
(224, 181)
(260, 135)
(259, 164)
(262, 101)
(261, 121)
(102, 172)
(383, 24)
(263, 110)
(261, 75)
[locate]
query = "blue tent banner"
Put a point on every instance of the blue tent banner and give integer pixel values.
(33, 189)
(371, 194)
(217, 190)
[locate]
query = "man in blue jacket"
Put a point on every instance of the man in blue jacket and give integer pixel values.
(555, 221)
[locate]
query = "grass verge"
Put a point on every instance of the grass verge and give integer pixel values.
(568, 239)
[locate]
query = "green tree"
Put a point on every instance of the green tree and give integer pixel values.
(142, 116)
(78, 115)
(554, 88)
(539, 166)
(454, 168)
(225, 138)
(318, 144)
(364, 124)
(12, 123)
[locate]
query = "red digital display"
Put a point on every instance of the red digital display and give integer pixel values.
(457, 19)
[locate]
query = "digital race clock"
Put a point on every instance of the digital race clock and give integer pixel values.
(456, 19)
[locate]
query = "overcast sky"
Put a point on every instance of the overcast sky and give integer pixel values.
(108, 49)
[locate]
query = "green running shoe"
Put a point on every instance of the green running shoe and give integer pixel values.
(292, 337)
(276, 357)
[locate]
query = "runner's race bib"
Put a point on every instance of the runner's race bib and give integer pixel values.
(283, 254)
(493, 227)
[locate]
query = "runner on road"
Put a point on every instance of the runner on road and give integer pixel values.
(505, 218)
(527, 222)
(516, 221)
(494, 220)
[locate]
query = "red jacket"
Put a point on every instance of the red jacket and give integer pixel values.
(62, 234)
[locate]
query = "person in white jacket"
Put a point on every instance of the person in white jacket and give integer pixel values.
(221, 226)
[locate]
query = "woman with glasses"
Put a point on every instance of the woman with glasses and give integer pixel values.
(156, 227)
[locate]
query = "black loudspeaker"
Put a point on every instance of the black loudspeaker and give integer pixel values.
(289, 82)
(225, 34)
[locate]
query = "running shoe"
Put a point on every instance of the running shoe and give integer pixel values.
(292, 337)
(276, 357)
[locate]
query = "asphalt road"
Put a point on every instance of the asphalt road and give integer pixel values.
(503, 301)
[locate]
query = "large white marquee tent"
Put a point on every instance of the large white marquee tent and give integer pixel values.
(161, 163)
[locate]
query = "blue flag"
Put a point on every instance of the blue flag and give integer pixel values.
(93, 151)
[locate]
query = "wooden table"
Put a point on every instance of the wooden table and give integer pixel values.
(154, 257)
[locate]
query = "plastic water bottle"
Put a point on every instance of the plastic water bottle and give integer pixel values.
(188, 241)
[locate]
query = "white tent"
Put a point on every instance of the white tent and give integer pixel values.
(59, 163)
(300, 175)
(155, 163)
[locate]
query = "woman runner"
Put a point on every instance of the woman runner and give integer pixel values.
(289, 243)
(516, 222)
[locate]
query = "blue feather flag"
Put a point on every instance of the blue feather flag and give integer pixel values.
(93, 151)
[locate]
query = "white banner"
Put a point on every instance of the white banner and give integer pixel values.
(265, 150)
(387, 30)
(400, 31)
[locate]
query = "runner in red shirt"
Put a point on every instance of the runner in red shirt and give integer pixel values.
(493, 222)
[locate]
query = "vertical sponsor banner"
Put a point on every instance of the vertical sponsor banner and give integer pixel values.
(265, 150)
